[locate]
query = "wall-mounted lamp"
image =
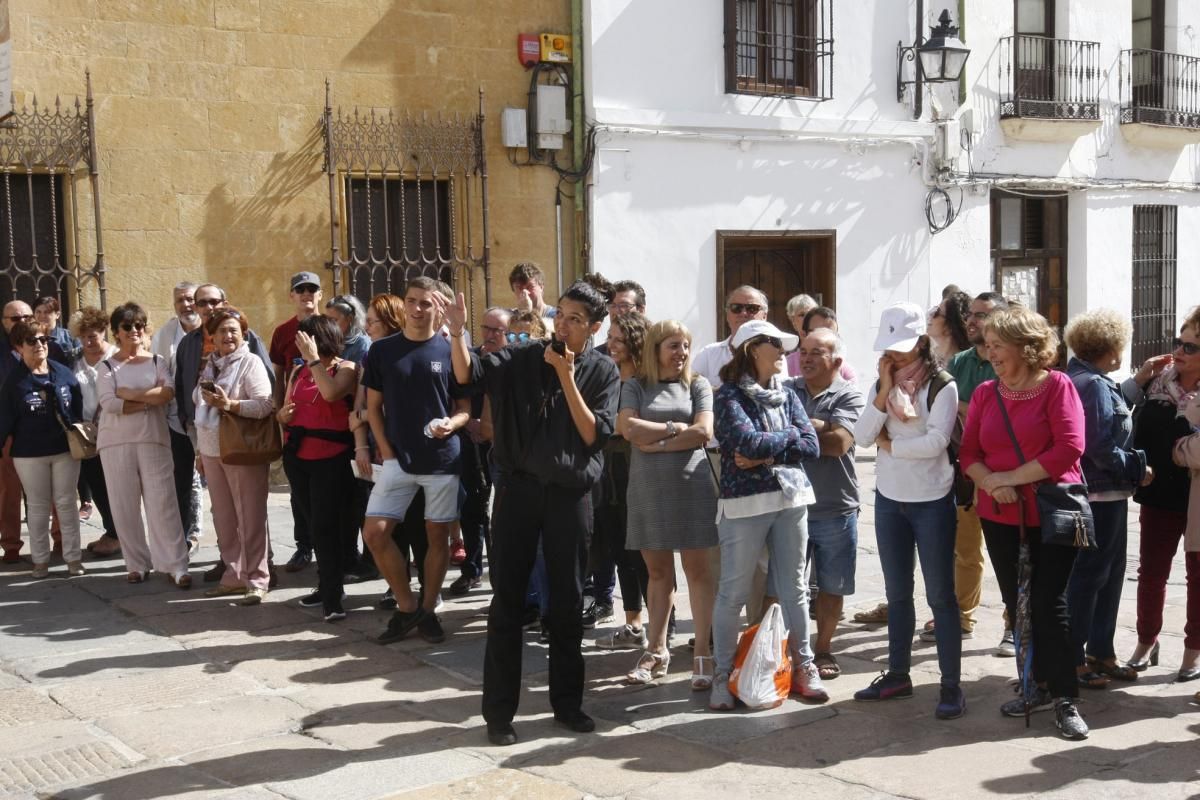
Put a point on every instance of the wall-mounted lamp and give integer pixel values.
(938, 59)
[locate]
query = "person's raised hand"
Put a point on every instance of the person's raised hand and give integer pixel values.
(307, 346)
(454, 313)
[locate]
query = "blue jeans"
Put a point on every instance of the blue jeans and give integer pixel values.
(929, 529)
(1094, 591)
(785, 535)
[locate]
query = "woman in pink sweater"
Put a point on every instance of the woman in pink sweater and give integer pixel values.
(1048, 422)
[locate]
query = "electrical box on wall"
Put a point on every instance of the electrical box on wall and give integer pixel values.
(556, 48)
(513, 129)
(551, 120)
(529, 49)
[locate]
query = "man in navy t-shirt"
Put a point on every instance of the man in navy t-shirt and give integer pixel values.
(414, 410)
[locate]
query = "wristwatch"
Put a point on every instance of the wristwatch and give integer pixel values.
(314, 364)
(672, 431)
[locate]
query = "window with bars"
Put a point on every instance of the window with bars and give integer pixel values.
(33, 241)
(779, 48)
(1154, 265)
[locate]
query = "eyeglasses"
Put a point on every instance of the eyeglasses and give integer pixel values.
(20, 318)
(517, 337)
(744, 308)
(624, 308)
(129, 326)
(979, 316)
(1188, 348)
(491, 329)
(212, 303)
(306, 288)
(774, 341)
(34, 341)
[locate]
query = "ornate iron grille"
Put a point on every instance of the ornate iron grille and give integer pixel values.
(1154, 261)
(45, 154)
(1160, 88)
(779, 48)
(1049, 78)
(407, 198)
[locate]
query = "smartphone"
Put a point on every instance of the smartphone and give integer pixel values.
(208, 386)
(558, 346)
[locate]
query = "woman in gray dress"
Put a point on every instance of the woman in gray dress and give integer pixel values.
(666, 415)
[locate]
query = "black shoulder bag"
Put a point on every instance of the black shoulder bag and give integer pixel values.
(1063, 508)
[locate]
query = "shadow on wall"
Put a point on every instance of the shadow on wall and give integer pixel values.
(260, 230)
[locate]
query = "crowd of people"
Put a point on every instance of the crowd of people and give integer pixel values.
(581, 467)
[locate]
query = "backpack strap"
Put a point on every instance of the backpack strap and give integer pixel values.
(939, 381)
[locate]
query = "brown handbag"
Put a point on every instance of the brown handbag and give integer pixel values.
(245, 441)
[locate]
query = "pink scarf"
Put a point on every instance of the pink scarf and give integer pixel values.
(907, 381)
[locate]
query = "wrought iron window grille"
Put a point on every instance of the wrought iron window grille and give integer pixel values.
(47, 156)
(1155, 251)
(1159, 88)
(407, 198)
(1047, 78)
(779, 48)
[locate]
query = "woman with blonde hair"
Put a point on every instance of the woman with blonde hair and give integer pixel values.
(1113, 470)
(666, 416)
(1039, 408)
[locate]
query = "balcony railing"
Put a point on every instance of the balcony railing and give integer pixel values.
(1049, 78)
(1160, 88)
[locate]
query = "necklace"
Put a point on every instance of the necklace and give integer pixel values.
(1024, 394)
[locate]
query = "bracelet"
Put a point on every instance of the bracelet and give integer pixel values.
(672, 431)
(314, 364)
(363, 447)
(458, 335)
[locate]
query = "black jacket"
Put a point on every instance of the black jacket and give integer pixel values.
(534, 432)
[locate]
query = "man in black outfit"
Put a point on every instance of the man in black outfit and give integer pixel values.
(554, 404)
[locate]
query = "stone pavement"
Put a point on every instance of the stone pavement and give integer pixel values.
(115, 691)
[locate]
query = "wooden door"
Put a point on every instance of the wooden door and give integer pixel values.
(781, 265)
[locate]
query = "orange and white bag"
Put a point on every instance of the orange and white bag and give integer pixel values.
(762, 668)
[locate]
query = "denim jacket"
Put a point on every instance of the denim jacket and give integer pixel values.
(739, 428)
(1109, 461)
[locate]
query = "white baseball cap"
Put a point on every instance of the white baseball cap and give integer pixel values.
(760, 327)
(901, 326)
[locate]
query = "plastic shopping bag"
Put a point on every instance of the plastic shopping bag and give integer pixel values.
(762, 668)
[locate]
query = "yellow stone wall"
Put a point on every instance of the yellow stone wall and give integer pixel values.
(207, 119)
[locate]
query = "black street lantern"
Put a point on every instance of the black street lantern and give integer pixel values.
(938, 59)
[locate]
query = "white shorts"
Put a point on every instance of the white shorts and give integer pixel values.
(394, 491)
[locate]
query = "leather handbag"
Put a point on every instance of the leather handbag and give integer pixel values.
(245, 441)
(1063, 508)
(81, 436)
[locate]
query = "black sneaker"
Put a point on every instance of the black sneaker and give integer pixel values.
(596, 613)
(430, 628)
(334, 612)
(310, 600)
(887, 686)
(501, 735)
(532, 618)
(400, 625)
(544, 634)
(1068, 721)
(1042, 701)
(462, 585)
(952, 704)
(387, 602)
(299, 560)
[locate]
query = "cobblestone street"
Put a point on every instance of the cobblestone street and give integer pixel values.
(109, 690)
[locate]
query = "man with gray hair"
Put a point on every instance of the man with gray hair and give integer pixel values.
(741, 305)
(833, 405)
(187, 479)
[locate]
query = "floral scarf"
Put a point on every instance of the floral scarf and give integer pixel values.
(1167, 389)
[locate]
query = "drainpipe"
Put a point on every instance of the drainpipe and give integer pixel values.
(581, 256)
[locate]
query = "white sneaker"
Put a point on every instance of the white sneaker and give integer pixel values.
(806, 682)
(720, 698)
(1007, 647)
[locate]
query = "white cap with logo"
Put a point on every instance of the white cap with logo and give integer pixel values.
(760, 327)
(901, 326)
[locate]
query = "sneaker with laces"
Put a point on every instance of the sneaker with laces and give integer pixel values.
(806, 682)
(1068, 721)
(952, 703)
(430, 628)
(387, 602)
(875, 616)
(1008, 646)
(625, 637)
(596, 613)
(401, 624)
(888, 686)
(719, 697)
(299, 560)
(310, 600)
(1042, 701)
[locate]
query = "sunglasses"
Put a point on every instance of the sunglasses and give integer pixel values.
(623, 308)
(744, 308)
(517, 337)
(20, 318)
(130, 326)
(774, 341)
(306, 288)
(33, 341)
(490, 329)
(213, 303)
(1188, 348)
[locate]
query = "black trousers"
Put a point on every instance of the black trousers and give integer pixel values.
(355, 513)
(1053, 651)
(321, 487)
(473, 520)
(525, 511)
(91, 473)
(184, 457)
(611, 515)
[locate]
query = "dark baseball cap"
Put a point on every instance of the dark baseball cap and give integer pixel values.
(303, 278)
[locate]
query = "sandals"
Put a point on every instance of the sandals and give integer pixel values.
(183, 581)
(827, 666)
(702, 678)
(136, 577)
(1113, 669)
(1090, 679)
(650, 666)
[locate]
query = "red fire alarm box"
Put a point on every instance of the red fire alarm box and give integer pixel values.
(529, 49)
